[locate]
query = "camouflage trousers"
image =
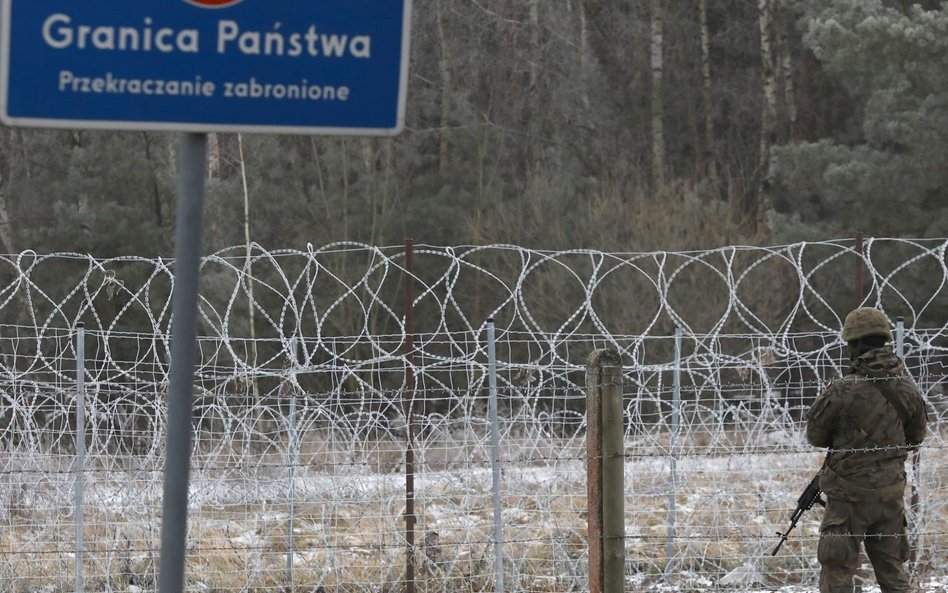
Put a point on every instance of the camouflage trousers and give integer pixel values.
(880, 527)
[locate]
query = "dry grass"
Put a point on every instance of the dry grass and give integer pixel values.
(348, 526)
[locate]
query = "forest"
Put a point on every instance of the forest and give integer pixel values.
(620, 126)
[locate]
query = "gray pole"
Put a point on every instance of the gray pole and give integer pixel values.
(900, 336)
(294, 455)
(192, 162)
(673, 462)
(294, 459)
(495, 457)
(915, 535)
(80, 445)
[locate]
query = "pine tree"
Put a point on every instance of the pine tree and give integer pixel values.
(886, 173)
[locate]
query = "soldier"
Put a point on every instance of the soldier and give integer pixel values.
(869, 420)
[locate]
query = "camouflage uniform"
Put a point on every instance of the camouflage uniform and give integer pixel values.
(864, 477)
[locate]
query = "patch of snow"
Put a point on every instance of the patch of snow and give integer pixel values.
(746, 574)
(248, 538)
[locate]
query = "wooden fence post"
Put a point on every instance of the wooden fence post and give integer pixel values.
(605, 483)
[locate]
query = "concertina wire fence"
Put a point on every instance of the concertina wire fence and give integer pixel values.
(299, 470)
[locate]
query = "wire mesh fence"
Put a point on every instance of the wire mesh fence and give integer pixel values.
(302, 423)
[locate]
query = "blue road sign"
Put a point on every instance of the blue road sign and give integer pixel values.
(284, 66)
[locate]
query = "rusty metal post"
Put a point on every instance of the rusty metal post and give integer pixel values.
(605, 484)
(408, 404)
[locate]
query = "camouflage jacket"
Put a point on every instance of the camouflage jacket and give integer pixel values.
(866, 434)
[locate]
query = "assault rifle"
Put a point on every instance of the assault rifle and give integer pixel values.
(806, 501)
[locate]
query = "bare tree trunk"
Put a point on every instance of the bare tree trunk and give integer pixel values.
(786, 74)
(695, 131)
(756, 208)
(213, 155)
(807, 98)
(376, 166)
(9, 138)
(709, 157)
(658, 107)
(444, 68)
(380, 212)
(345, 187)
(534, 42)
(248, 266)
(6, 229)
(367, 152)
(584, 56)
(607, 34)
(155, 189)
(535, 55)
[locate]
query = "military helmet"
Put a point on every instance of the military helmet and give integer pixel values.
(865, 321)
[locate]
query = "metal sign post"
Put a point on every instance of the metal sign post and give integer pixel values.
(192, 162)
